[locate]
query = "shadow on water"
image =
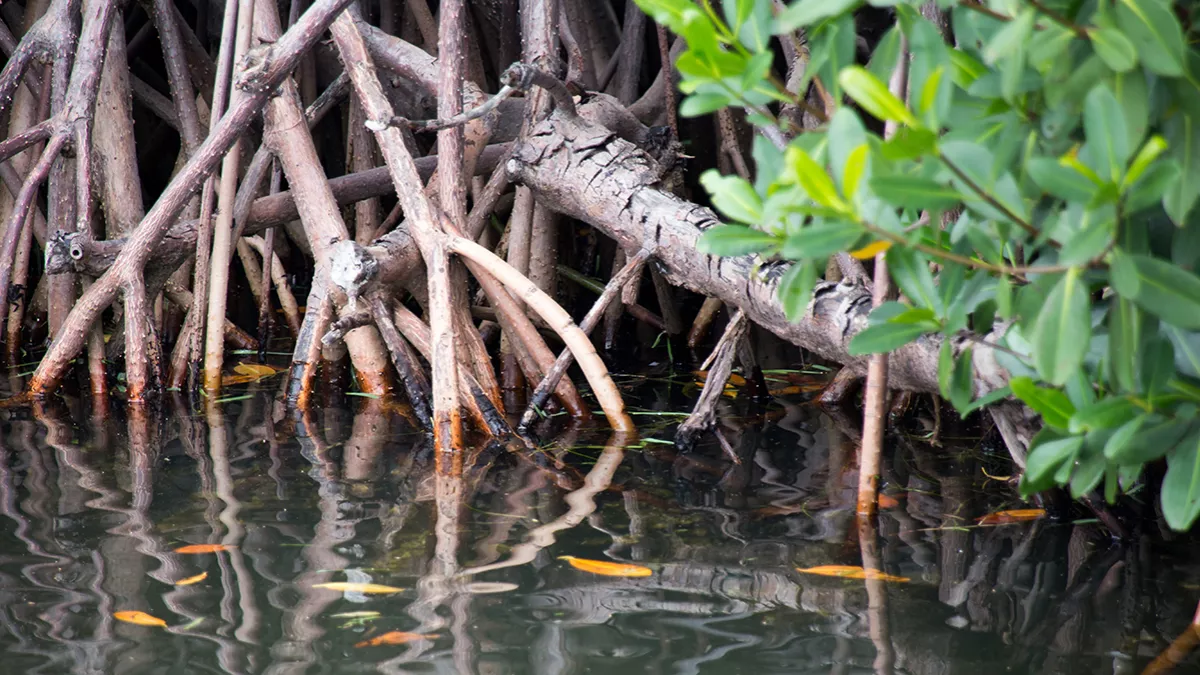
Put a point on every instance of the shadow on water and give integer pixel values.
(92, 515)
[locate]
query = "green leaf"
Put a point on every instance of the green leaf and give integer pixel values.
(1181, 485)
(813, 179)
(909, 143)
(807, 12)
(1114, 48)
(1053, 405)
(1122, 437)
(1107, 135)
(914, 192)
(846, 134)
(1153, 439)
(873, 96)
(895, 332)
(1159, 287)
(733, 196)
(795, 289)
(856, 166)
(1125, 325)
(730, 240)
(1107, 413)
(1154, 147)
(960, 386)
(697, 105)
(1155, 31)
(1183, 136)
(1187, 350)
(910, 270)
(1050, 450)
(820, 240)
(1060, 181)
(1088, 470)
(1064, 330)
(1011, 37)
(1149, 190)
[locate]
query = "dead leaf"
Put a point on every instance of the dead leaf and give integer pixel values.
(257, 370)
(139, 618)
(192, 580)
(486, 587)
(352, 587)
(396, 637)
(203, 548)
(888, 502)
(850, 572)
(608, 569)
(1012, 516)
(871, 250)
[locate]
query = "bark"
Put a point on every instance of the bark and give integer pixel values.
(588, 172)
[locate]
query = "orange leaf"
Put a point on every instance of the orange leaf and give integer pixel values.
(395, 637)
(850, 572)
(871, 250)
(139, 618)
(352, 587)
(203, 548)
(888, 502)
(608, 569)
(1013, 516)
(192, 580)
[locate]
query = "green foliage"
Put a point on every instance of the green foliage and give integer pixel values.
(1036, 193)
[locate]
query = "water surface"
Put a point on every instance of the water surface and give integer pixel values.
(91, 514)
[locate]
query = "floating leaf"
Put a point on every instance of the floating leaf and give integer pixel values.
(255, 369)
(605, 568)
(396, 637)
(353, 587)
(850, 572)
(1011, 516)
(203, 548)
(139, 618)
(888, 502)
(357, 615)
(192, 580)
(489, 587)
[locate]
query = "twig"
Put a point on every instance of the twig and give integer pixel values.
(542, 392)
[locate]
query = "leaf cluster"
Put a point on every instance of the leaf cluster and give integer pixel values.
(1038, 196)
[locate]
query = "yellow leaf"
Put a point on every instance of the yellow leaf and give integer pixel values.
(139, 618)
(192, 580)
(192, 549)
(608, 569)
(395, 637)
(255, 369)
(871, 250)
(1013, 516)
(850, 572)
(352, 587)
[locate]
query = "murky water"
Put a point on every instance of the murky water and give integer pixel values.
(91, 517)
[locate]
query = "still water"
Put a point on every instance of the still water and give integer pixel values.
(92, 515)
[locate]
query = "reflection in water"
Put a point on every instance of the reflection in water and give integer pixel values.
(91, 515)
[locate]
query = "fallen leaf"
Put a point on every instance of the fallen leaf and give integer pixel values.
(192, 580)
(352, 587)
(203, 548)
(888, 502)
(871, 250)
(257, 370)
(850, 572)
(139, 618)
(608, 569)
(1012, 516)
(357, 615)
(486, 587)
(396, 637)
